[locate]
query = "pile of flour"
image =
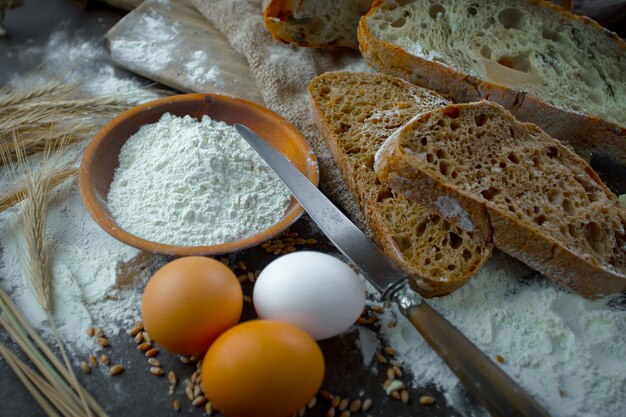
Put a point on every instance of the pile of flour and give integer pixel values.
(189, 183)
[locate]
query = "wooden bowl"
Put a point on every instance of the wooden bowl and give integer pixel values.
(101, 159)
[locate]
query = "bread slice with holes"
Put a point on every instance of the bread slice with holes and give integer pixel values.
(563, 72)
(479, 167)
(355, 113)
(315, 24)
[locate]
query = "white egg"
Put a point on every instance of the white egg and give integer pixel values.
(311, 290)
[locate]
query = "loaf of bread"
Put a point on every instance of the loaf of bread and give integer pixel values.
(560, 71)
(355, 113)
(480, 168)
(315, 24)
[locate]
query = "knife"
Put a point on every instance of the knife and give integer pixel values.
(500, 395)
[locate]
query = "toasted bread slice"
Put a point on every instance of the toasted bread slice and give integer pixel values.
(480, 168)
(558, 70)
(315, 24)
(356, 112)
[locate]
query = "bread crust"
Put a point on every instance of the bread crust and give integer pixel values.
(542, 252)
(585, 133)
(427, 286)
(276, 16)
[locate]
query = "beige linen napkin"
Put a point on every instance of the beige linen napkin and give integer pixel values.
(283, 73)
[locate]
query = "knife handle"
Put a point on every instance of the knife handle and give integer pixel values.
(482, 377)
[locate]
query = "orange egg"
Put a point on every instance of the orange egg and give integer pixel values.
(262, 368)
(189, 302)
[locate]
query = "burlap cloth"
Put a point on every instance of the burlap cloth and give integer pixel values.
(283, 73)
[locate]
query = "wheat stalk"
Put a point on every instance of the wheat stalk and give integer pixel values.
(17, 194)
(45, 113)
(37, 270)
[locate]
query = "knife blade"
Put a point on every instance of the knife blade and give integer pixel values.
(500, 394)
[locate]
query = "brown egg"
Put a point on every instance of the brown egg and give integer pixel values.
(189, 302)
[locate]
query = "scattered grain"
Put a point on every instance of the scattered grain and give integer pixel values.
(193, 358)
(378, 308)
(171, 376)
(195, 376)
(404, 396)
(116, 370)
(225, 261)
(394, 385)
(312, 403)
(380, 358)
(144, 346)
(242, 265)
(391, 374)
(199, 401)
(396, 363)
(390, 351)
(208, 408)
(176, 405)
(427, 400)
(242, 278)
(310, 242)
(326, 395)
(362, 321)
(392, 324)
(102, 341)
(154, 362)
(355, 406)
(251, 277)
(197, 391)
(105, 359)
(247, 299)
(156, 371)
(367, 404)
(136, 330)
(345, 413)
(98, 332)
(343, 404)
(397, 371)
(152, 352)
(184, 359)
(91, 331)
(84, 367)
(93, 361)
(189, 392)
(301, 412)
(499, 358)
(146, 337)
(395, 395)
(139, 338)
(330, 413)
(335, 402)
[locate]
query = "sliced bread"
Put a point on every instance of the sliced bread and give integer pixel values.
(315, 24)
(355, 113)
(480, 168)
(560, 71)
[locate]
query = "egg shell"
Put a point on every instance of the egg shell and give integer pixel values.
(262, 368)
(311, 290)
(189, 302)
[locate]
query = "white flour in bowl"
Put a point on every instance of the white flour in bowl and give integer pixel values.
(189, 183)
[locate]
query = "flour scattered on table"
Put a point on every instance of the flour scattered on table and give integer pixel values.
(96, 279)
(201, 71)
(154, 54)
(567, 351)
